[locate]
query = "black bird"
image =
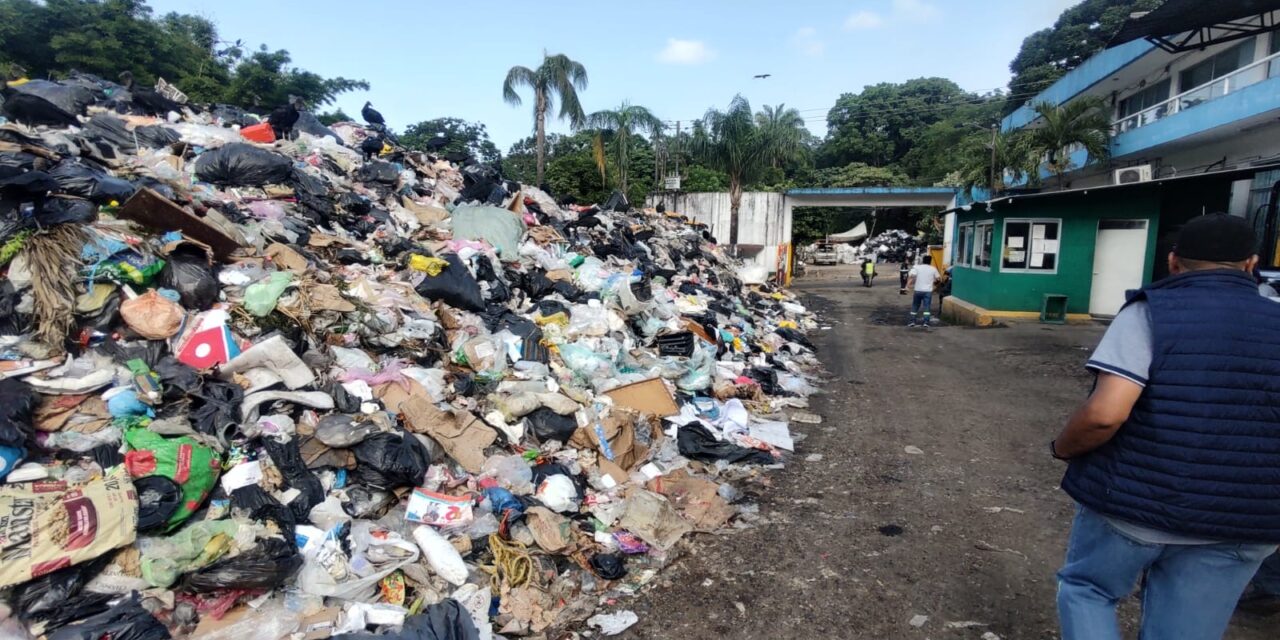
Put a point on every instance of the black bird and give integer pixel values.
(371, 146)
(438, 142)
(283, 118)
(149, 100)
(33, 110)
(371, 115)
(763, 76)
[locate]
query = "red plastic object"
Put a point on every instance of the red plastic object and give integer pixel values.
(260, 132)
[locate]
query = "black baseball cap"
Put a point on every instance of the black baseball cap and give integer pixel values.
(1217, 237)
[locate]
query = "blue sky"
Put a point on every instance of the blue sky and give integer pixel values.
(428, 58)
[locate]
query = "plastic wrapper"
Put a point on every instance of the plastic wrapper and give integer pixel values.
(446, 620)
(393, 552)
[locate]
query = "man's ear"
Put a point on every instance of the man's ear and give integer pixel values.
(1175, 267)
(1251, 263)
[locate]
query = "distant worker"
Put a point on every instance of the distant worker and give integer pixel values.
(1174, 456)
(944, 288)
(920, 280)
(904, 272)
(868, 272)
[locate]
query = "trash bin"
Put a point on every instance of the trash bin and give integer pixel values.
(1054, 309)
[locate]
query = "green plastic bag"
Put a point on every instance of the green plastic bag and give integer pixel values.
(260, 298)
(194, 547)
(193, 466)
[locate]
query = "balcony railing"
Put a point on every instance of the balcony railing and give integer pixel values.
(1252, 74)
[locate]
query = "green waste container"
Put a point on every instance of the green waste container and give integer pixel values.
(1054, 309)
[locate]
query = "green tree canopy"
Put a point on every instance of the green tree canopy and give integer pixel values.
(107, 37)
(620, 126)
(1079, 32)
(464, 137)
(881, 125)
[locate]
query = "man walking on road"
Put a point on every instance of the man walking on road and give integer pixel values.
(920, 280)
(1175, 456)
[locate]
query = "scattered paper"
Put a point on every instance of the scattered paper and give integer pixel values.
(913, 450)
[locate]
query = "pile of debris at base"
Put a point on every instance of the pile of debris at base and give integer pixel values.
(893, 246)
(326, 386)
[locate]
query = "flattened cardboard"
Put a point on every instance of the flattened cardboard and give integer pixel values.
(462, 435)
(647, 396)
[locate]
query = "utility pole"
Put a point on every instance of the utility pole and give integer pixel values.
(678, 149)
(995, 132)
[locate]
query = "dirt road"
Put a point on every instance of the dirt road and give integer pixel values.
(859, 542)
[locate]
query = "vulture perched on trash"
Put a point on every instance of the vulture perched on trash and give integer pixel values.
(372, 146)
(149, 100)
(33, 110)
(371, 115)
(283, 118)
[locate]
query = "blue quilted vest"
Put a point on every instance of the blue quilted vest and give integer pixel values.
(1200, 453)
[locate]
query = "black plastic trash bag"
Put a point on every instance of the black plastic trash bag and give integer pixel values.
(266, 566)
(262, 506)
(187, 271)
(61, 210)
(68, 97)
(243, 165)
(791, 335)
(549, 425)
(697, 443)
(158, 499)
(177, 378)
(33, 110)
(445, 620)
(378, 171)
(391, 460)
(288, 459)
(17, 403)
(42, 597)
(112, 130)
(364, 503)
(218, 413)
(455, 286)
(609, 566)
(78, 178)
(124, 621)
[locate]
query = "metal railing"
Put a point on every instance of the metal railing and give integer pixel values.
(1249, 75)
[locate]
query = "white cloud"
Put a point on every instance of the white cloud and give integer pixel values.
(863, 20)
(680, 51)
(806, 40)
(915, 10)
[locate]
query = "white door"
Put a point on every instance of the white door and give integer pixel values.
(1119, 259)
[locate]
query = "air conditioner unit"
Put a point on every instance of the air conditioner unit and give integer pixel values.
(1130, 175)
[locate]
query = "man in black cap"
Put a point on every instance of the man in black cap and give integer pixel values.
(1175, 456)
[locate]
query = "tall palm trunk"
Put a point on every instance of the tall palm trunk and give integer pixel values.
(623, 170)
(541, 123)
(735, 202)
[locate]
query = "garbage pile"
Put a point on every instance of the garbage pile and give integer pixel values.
(296, 381)
(893, 246)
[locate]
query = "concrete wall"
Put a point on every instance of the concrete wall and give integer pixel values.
(763, 219)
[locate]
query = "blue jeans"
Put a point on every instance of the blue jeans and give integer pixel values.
(1190, 593)
(1268, 578)
(921, 301)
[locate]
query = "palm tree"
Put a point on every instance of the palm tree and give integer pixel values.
(557, 77)
(620, 124)
(1080, 122)
(786, 128)
(994, 163)
(732, 142)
